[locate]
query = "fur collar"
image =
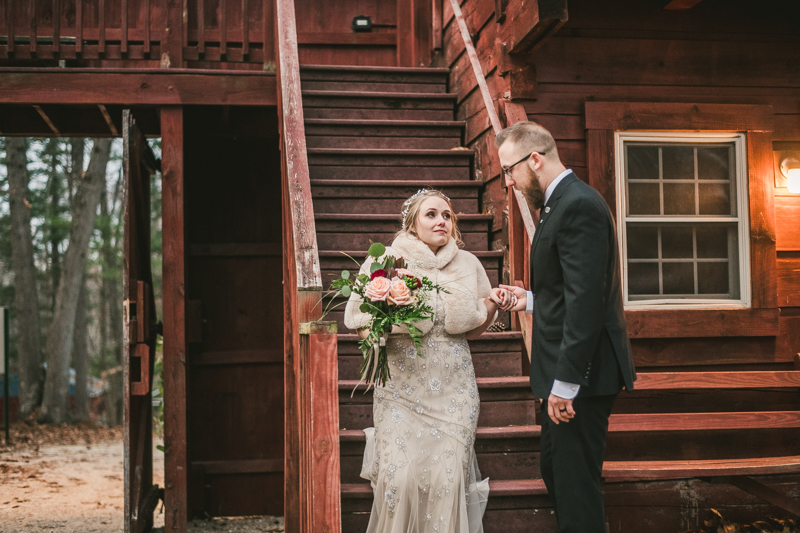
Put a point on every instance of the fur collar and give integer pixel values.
(418, 254)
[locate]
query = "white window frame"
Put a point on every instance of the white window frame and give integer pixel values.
(742, 219)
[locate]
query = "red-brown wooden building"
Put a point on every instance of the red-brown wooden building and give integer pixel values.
(288, 136)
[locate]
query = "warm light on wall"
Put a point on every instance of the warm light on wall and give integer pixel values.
(790, 168)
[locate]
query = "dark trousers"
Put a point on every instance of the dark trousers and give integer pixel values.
(572, 464)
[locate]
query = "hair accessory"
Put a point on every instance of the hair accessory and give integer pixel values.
(407, 203)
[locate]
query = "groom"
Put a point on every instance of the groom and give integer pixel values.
(581, 356)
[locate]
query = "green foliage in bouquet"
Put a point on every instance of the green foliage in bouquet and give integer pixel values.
(396, 300)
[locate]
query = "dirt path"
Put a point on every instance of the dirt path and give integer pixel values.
(68, 479)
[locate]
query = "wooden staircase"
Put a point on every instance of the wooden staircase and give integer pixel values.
(375, 136)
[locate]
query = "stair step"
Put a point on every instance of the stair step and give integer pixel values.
(378, 105)
(386, 196)
(346, 231)
(365, 157)
(493, 354)
(360, 74)
(407, 134)
(505, 401)
(410, 86)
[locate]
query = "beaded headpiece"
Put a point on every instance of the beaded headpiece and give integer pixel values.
(407, 203)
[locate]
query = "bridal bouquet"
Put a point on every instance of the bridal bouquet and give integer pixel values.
(392, 299)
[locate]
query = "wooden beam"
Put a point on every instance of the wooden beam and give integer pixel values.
(174, 319)
(136, 87)
(718, 380)
(47, 120)
(678, 5)
(111, 127)
(766, 493)
(527, 25)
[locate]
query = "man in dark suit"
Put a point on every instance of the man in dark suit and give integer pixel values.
(581, 355)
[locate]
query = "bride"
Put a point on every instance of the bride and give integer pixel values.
(420, 456)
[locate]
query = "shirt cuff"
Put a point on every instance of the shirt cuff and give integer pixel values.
(565, 390)
(529, 302)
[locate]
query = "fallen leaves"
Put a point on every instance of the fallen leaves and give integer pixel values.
(718, 524)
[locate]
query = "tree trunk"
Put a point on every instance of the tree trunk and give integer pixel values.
(56, 236)
(26, 297)
(80, 358)
(59, 337)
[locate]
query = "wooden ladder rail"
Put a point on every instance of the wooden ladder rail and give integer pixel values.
(520, 219)
(312, 475)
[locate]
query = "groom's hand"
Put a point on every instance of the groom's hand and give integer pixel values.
(519, 303)
(560, 409)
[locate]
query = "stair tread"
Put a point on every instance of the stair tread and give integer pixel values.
(389, 151)
(358, 68)
(506, 382)
(376, 94)
(369, 216)
(396, 183)
(497, 432)
(500, 487)
(363, 253)
(383, 122)
(492, 335)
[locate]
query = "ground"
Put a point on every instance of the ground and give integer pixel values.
(68, 479)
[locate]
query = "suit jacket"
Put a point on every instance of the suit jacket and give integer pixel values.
(579, 330)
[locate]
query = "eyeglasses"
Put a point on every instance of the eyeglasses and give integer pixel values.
(507, 171)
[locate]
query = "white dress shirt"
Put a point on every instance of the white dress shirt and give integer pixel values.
(562, 389)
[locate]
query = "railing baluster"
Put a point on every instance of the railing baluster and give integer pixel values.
(101, 27)
(10, 22)
(123, 45)
(32, 37)
(245, 29)
(201, 27)
(78, 26)
(223, 29)
(56, 26)
(146, 26)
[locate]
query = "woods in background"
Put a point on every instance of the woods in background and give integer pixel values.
(60, 270)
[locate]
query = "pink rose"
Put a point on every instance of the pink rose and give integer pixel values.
(378, 289)
(399, 293)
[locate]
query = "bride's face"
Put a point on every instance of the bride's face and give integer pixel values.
(434, 224)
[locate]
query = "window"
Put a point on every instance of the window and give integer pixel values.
(683, 229)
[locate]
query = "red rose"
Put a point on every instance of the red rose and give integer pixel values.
(379, 273)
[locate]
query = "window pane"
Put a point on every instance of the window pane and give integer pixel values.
(679, 199)
(642, 242)
(678, 162)
(715, 199)
(713, 163)
(676, 242)
(678, 278)
(642, 278)
(643, 199)
(712, 242)
(642, 163)
(712, 278)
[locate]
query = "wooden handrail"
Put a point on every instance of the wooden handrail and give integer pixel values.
(311, 464)
(524, 210)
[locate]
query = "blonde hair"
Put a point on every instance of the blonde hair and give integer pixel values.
(528, 137)
(411, 208)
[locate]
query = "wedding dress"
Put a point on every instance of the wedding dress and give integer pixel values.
(420, 456)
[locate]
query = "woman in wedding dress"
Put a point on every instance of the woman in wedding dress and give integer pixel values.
(420, 456)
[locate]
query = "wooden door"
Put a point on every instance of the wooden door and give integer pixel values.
(139, 315)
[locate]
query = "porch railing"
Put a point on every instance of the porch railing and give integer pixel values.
(520, 220)
(312, 478)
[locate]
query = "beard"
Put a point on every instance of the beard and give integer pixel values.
(534, 193)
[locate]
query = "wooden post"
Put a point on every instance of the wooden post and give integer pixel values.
(172, 49)
(406, 40)
(174, 302)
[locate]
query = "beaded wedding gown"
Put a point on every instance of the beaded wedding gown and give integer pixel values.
(420, 455)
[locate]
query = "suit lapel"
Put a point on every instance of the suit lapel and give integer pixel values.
(547, 211)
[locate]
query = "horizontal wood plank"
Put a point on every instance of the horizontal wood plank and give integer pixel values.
(703, 421)
(678, 116)
(651, 470)
(677, 323)
(44, 86)
(717, 380)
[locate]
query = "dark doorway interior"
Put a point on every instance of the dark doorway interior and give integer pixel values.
(234, 315)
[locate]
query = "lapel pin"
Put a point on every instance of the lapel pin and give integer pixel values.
(546, 209)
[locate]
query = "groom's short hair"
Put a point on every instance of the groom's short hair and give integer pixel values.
(528, 137)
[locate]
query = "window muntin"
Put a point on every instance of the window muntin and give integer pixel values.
(683, 241)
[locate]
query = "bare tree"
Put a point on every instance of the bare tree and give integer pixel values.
(26, 297)
(60, 334)
(80, 357)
